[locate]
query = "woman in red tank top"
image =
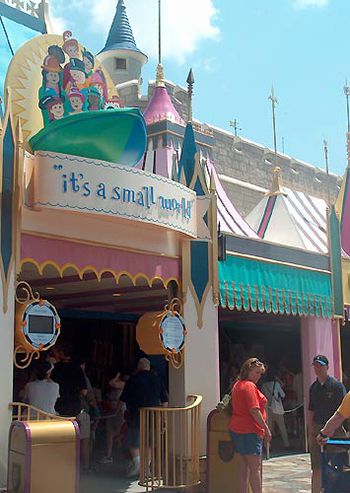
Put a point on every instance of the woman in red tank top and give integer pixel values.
(248, 425)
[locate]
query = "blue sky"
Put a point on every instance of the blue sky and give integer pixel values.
(238, 49)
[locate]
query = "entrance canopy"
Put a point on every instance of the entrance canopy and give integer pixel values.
(263, 286)
(266, 286)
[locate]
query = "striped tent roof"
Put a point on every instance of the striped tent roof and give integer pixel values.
(291, 218)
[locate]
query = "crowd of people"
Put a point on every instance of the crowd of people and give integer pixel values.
(60, 385)
(252, 408)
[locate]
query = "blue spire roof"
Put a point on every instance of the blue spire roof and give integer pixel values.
(120, 36)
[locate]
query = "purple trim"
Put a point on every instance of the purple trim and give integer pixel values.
(77, 463)
(345, 216)
(28, 455)
(266, 216)
(209, 418)
(28, 467)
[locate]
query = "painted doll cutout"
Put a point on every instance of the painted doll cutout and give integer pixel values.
(94, 99)
(76, 75)
(76, 100)
(98, 81)
(71, 48)
(51, 77)
(51, 71)
(54, 105)
(112, 103)
(89, 63)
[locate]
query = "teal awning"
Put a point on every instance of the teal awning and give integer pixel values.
(264, 286)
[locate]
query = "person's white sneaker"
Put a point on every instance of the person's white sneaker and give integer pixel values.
(106, 460)
(134, 470)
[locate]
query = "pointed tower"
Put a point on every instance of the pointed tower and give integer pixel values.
(160, 106)
(120, 56)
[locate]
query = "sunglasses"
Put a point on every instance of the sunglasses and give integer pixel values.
(255, 362)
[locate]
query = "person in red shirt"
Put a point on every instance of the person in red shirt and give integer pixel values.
(248, 426)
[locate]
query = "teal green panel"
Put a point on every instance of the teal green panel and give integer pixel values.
(199, 267)
(188, 153)
(336, 265)
(274, 287)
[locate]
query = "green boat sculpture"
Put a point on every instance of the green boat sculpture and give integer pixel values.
(114, 135)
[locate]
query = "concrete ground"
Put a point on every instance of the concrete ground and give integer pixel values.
(287, 474)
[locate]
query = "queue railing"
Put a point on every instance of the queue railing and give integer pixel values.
(170, 446)
(25, 412)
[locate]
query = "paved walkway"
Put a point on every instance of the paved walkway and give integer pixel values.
(287, 474)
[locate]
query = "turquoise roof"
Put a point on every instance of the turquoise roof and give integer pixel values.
(255, 285)
(120, 36)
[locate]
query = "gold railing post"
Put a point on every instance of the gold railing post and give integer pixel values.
(169, 446)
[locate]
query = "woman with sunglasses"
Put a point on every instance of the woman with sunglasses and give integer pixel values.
(248, 425)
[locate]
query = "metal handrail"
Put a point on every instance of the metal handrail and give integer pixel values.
(26, 412)
(169, 445)
(197, 399)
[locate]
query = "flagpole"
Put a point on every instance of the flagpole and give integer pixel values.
(274, 101)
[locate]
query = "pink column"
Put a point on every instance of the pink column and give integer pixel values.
(318, 336)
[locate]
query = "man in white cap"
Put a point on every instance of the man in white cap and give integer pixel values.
(144, 389)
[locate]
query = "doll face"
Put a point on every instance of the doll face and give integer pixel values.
(88, 64)
(93, 102)
(57, 110)
(52, 77)
(72, 51)
(78, 76)
(76, 103)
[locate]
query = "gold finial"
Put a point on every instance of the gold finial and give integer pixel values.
(276, 188)
(160, 76)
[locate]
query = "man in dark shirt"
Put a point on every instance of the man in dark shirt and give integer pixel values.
(326, 395)
(71, 380)
(144, 389)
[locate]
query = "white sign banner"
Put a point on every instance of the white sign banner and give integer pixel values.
(99, 187)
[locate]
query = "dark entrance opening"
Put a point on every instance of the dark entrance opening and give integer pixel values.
(275, 340)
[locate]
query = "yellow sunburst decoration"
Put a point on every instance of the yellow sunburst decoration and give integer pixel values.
(24, 79)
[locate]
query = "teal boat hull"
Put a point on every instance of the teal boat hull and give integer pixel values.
(116, 135)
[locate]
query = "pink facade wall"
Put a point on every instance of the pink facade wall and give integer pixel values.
(64, 252)
(318, 336)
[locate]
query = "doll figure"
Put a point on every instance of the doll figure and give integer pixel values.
(98, 81)
(54, 105)
(51, 72)
(94, 99)
(77, 100)
(70, 45)
(89, 63)
(76, 76)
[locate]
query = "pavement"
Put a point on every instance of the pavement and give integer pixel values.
(286, 474)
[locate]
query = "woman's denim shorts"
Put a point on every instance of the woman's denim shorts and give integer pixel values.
(247, 443)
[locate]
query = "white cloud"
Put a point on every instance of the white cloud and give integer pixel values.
(58, 24)
(303, 4)
(185, 23)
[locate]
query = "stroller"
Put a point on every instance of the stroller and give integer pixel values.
(336, 466)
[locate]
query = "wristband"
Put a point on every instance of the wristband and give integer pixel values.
(322, 435)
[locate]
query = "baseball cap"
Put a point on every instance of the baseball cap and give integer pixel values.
(321, 359)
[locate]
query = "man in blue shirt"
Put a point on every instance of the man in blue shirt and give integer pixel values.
(326, 395)
(144, 389)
